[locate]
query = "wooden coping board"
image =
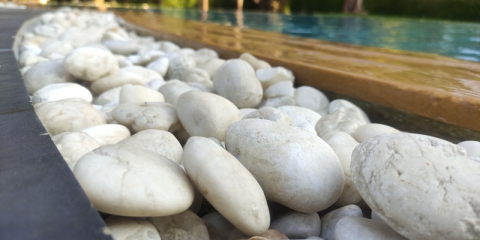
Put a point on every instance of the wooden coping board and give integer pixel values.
(439, 88)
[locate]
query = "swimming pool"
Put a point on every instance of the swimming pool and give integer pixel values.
(454, 39)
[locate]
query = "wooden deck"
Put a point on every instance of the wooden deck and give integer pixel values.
(439, 88)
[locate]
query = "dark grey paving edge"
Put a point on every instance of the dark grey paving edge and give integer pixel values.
(39, 196)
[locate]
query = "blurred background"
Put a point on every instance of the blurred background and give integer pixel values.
(464, 10)
(444, 27)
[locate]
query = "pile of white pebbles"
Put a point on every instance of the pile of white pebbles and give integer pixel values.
(154, 133)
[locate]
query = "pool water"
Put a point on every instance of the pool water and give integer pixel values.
(454, 39)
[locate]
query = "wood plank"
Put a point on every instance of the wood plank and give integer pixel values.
(440, 88)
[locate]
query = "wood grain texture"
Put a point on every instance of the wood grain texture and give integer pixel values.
(436, 87)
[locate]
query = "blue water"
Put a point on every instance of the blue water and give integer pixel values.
(454, 39)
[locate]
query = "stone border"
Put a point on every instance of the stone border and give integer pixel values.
(39, 196)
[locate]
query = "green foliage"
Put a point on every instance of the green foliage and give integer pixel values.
(179, 3)
(468, 10)
(224, 4)
(309, 6)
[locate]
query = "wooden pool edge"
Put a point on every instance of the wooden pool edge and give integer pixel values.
(436, 113)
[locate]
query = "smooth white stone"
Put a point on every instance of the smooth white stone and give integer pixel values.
(145, 72)
(51, 30)
(160, 66)
(170, 56)
(296, 225)
(472, 147)
(129, 181)
(28, 58)
(202, 158)
(155, 84)
(56, 49)
(212, 231)
(107, 112)
(196, 75)
(279, 94)
(34, 39)
(107, 134)
(68, 115)
(270, 76)
(184, 226)
(123, 228)
(344, 119)
(278, 102)
(169, 46)
(59, 91)
(45, 73)
(123, 62)
(178, 65)
(343, 145)
(330, 219)
(342, 103)
(294, 167)
(207, 87)
(90, 64)
(271, 114)
(206, 114)
(157, 141)
(118, 80)
(25, 69)
(109, 97)
(312, 99)
(138, 94)
(117, 33)
(99, 46)
(35, 49)
(236, 81)
(254, 62)
(122, 47)
(246, 111)
(301, 117)
(375, 217)
(353, 228)
(370, 130)
(79, 37)
(172, 89)
(47, 17)
(432, 178)
(146, 57)
(73, 145)
(149, 115)
(280, 89)
(211, 65)
(220, 223)
(186, 51)
(204, 54)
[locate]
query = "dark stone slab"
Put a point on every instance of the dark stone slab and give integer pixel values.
(13, 94)
(39, 196)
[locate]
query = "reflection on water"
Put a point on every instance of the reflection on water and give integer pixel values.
(453, 39)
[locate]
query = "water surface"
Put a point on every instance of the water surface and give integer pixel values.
(453, 39)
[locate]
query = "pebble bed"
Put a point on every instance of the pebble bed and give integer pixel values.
(177, 143)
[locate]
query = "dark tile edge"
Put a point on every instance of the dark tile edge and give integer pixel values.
(39, 196)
